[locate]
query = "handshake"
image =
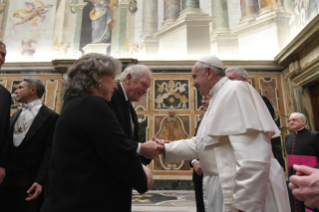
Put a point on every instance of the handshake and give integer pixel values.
(152, 148)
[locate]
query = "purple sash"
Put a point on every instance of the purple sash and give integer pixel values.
(302, 160)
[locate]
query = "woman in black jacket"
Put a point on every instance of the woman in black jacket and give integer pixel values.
(94, 165)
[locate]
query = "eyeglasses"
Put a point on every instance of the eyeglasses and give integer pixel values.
(290, 120)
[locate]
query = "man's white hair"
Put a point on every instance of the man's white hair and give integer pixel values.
(301, 116)
(202, 66)
(136, 72)
(241, 72)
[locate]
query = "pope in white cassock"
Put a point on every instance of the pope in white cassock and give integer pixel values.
(233, 145)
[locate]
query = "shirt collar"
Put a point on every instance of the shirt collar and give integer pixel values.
(300, 130)
(126, 99)
(31, 104)
(217, 86)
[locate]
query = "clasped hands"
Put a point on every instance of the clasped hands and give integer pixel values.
(152, 148)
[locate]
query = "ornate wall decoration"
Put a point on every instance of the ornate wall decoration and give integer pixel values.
(143, 103)
(144, 128)
(2, 6)
(74, 6)
(132, 6)
(171, 128)
(171, 94)
(3, 83)
(287, 92)
(251, 81)
(14, 87)
(51, 88)
(310, 58)
(268, 87)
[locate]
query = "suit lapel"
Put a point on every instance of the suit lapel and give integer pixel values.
(126, 113)
(38, 122)
(14, 119)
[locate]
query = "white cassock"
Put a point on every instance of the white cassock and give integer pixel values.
(234, 148)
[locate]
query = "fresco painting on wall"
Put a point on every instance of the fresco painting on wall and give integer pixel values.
(97, 22)
(29, 30)
(306, 10)
(268, 88)
(153, 30)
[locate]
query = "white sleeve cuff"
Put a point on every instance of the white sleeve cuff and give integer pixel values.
(193, 161)
(138, 148)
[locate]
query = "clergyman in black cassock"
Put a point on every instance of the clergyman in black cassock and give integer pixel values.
(302, 149)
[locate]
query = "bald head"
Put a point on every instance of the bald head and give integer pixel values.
(237, 73)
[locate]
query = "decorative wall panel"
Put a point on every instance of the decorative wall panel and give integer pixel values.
(171, 128)
(268, 88)
(51, 88)
(287, 92)
(171, 94)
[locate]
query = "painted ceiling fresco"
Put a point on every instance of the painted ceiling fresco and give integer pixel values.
(44, 30)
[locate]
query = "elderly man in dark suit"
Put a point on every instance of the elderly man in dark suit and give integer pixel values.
(27, 151)
(5, 103)
(135, 80)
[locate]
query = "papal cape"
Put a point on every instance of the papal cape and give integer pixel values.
(233, 143)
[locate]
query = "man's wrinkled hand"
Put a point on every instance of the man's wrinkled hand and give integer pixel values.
(37, 190)
(2, 174)
(160, 141)
(149, 149)
(305, 186)
(197, 167)
(149, 176)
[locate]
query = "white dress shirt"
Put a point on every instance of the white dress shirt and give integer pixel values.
(25, 120)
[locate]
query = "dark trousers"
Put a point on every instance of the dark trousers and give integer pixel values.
(199, 196)
(12, 199)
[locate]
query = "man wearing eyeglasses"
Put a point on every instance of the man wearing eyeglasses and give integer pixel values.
(303, 149)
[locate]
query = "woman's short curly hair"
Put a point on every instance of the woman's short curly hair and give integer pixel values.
(87, 71)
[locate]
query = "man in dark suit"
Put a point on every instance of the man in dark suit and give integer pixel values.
(238, 73)
(198, 172)
(27, 151)
(135, 80)
(5, 104)
(302, 149)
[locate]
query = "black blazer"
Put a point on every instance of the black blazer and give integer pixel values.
(94, 165)
(121, 110)
(5, 104)
(29, 162)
